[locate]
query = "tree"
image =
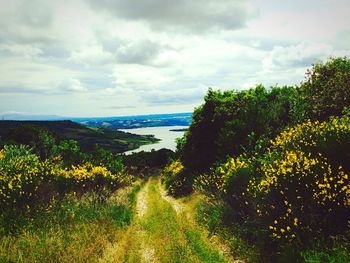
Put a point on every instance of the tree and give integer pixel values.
(327, 88)
(70, 152)
(38, 138)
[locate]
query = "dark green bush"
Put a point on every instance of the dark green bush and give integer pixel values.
(230, 123)
(327, 88)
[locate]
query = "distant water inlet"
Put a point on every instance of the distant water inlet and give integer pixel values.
(167, 136)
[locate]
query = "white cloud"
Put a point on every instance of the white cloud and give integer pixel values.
(71, 85)
(296, 56)
(89, 57)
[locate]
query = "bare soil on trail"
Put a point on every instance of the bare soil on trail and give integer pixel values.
(163, 229)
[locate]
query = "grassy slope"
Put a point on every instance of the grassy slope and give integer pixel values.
(87, 137)
(78, 231)
(132, 226)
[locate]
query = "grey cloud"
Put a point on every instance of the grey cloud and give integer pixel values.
(26, 22)
(55, 51)
(20, 90)
(296, 56)
(143, 52)
(36, 13)
(191, 16)
(173, 96)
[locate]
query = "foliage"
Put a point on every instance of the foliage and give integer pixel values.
(280, 160)
(75, 229)
(230, 123)
(330, 138)
(38, 138)
(88, 176)
(327, 88)
(27, 182)
(304, 183)
(154, 159)
(175, 180)
(299, 193)
(70, 152)
(21, 173)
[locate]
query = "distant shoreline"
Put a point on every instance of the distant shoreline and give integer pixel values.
(179, 130)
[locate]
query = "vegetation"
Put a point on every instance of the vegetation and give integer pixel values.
(274, 164)
(41, 134)
(79, 228)
(264, 172)
(165, 234)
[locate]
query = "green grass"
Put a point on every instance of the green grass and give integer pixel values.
(173, 237)
(76, 230)
(210, 214)
(214, 215)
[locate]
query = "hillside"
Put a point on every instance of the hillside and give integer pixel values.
(87, 137)
(139, 121)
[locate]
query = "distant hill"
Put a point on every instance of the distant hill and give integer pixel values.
(23, 117)
(139, 121)
(87, 137)
(117, 122)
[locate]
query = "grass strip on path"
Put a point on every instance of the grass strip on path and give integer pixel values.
(172, 236)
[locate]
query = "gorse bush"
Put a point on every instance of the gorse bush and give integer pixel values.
(21, 173)
(300, 186)
(26, 181)
(88, 176)
(229, 182)
(299, 194)
(304, 178)
(175, 180)
(329, 138)
(225, 176)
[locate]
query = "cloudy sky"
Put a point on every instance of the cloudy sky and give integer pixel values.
(123, 57)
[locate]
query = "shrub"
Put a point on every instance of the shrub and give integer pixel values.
(21, 174)
(229, 181)
(302, 182)
(90, 177)
(229, 123)
(327, 88)
(24, 178)
(38, 138)
(70, 152)
(330, 138)
(174, 178)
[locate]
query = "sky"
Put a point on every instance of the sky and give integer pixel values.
(115, 57)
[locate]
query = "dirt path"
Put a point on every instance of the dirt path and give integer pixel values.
(141, 204)
(162, 231)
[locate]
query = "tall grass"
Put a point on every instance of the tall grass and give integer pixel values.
(77, 229)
